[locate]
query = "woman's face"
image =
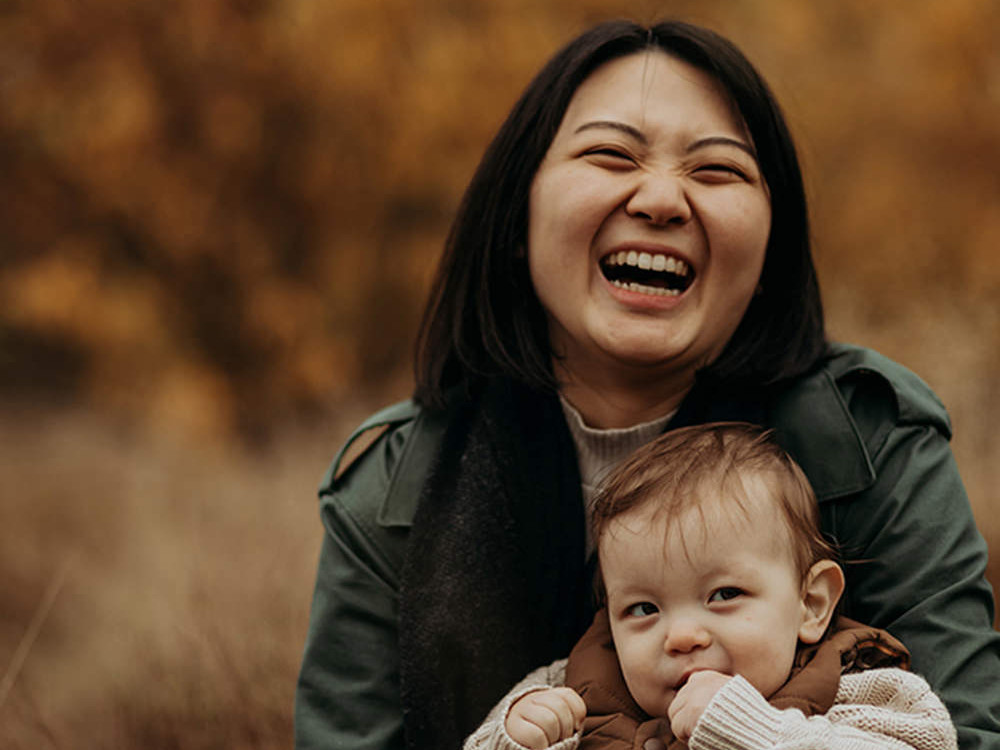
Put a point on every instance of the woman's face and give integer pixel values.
(649, 220)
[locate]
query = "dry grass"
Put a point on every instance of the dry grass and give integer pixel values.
(188, 574)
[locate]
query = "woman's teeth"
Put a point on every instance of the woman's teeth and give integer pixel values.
(648, 273)
(648, 261)
(634, 287)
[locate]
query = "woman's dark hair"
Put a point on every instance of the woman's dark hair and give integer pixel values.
(483, 317)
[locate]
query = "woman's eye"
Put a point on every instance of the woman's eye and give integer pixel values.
(725, 593)
(643, 609)
(722, 171)
(611, 154)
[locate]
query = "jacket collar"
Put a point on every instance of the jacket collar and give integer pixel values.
(814, 424)
(811, 421)
(810, 417)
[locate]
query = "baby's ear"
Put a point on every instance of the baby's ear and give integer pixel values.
(821, 590)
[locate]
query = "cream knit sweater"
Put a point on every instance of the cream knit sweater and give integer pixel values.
(878, 708)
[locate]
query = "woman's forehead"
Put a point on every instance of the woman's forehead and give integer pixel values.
(647, 84)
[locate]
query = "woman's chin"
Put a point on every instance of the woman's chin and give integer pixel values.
(645, 356)
(628, 350)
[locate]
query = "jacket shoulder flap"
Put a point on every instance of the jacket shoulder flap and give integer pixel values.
(868, 379)
(382, 466)
(836, 419)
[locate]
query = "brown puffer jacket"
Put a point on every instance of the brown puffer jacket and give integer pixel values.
(615, 721)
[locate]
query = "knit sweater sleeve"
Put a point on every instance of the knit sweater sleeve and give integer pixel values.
(492, 733)
(879, 708)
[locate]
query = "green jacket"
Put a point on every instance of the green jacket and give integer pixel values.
(871, 437)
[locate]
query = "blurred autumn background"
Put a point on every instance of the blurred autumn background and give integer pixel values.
(218, 220)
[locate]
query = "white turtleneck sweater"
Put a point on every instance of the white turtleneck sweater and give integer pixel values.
(598, 451)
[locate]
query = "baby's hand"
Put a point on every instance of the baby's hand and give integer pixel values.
(542, 718)
(692, 699)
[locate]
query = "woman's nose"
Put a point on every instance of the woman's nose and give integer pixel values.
(686, 636)
(659, 199)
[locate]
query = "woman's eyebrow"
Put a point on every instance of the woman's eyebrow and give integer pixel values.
(715, 140)
(613, 125)
(721, 140)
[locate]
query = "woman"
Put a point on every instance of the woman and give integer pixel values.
(632, 255)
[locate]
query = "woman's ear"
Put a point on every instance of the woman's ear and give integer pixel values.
(821, 590)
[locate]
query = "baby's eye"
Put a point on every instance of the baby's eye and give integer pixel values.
(643, 609)
(725, 593)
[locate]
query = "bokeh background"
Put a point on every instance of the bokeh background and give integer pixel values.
(218, 221)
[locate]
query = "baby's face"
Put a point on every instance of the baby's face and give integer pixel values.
(721, 593)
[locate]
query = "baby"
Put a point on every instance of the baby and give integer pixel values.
(719, 628)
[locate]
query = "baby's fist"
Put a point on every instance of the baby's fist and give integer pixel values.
(692, 700)
(544, 717)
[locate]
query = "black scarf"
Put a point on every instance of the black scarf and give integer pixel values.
(495, 582)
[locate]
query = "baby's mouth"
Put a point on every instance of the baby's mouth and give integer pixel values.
(648, 273)
(687, 676)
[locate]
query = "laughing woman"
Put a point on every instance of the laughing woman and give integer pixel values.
(631, 256)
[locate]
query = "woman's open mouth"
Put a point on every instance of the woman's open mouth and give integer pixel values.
(647, 273)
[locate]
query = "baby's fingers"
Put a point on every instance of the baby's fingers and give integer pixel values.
(572, 709)
(543, 718)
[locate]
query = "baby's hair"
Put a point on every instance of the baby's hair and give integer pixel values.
(676, 469)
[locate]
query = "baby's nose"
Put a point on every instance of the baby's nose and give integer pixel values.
(686, 635)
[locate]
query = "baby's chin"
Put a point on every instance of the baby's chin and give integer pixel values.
(658, 706)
